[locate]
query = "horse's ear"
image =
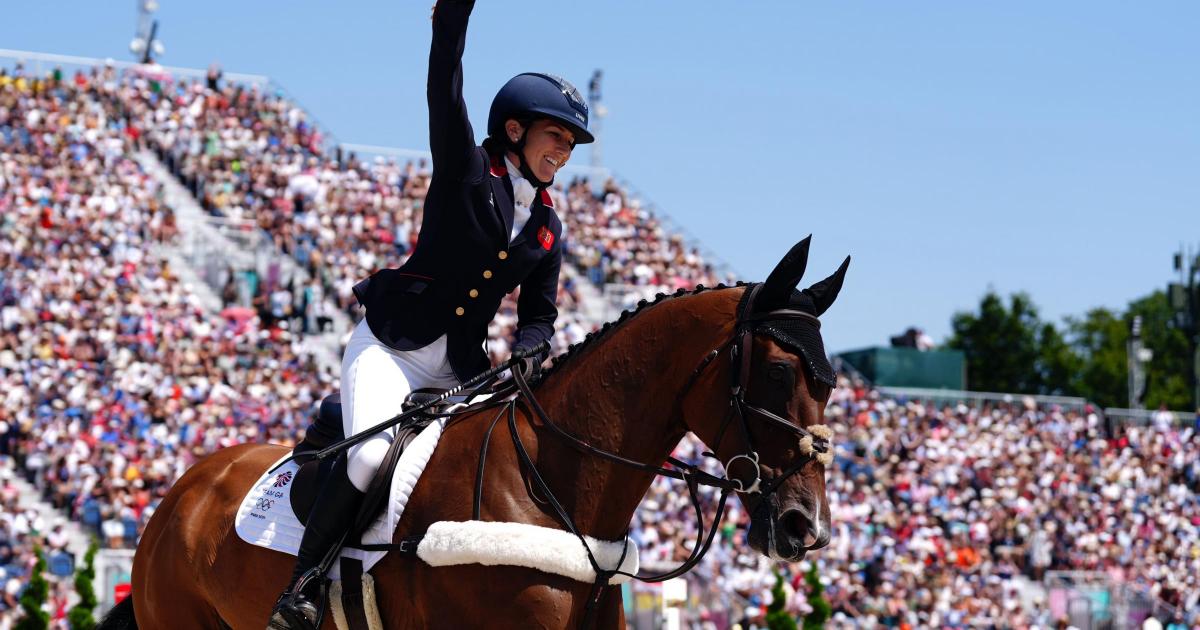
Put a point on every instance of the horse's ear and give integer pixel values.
(826, 291)
(777, 290)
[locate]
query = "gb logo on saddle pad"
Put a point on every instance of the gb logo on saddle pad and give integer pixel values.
(545, 237)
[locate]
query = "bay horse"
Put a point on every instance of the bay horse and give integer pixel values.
(633, 389)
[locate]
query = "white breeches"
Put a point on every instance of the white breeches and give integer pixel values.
(375, 381)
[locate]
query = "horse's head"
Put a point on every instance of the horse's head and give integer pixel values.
(772, 438)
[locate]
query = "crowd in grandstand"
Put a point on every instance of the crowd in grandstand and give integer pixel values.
(941, 512)
(113, 379)
(248, 154)
(618, 242)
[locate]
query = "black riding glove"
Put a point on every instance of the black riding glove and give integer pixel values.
(529, 367)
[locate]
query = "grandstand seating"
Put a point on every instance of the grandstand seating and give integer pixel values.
(114, 380)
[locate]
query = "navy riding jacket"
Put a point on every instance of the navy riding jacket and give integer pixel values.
(463, 263)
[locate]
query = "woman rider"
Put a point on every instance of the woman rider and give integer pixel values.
(489, 226)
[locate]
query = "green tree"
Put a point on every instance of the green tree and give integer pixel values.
(1009, 349)
(777, 617)
(80, 616)
(34, 597)
(1167, 372)
(1099, 337)
(1057, 362)
(821, 609)
(1000, 344)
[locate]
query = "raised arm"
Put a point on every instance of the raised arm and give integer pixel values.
(451, 139)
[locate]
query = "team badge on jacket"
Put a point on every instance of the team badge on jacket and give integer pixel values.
(545, 237)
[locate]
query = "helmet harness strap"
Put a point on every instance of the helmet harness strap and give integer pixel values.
(518, 147)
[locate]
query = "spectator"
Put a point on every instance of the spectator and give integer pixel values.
(113, 380)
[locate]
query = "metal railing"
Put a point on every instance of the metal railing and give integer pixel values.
(951, 395)
(37, 62)
(1177, 419)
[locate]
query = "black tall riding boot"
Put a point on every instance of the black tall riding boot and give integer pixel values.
(332, 514)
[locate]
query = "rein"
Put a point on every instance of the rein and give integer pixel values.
(739, 346)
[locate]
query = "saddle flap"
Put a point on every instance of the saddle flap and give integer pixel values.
(267, 518)
(307, 483)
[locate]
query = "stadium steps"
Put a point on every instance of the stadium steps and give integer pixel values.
(28, 496)
(202, 237)
(206, 251)
(591, 301)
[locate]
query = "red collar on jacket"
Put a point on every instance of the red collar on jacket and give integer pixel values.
(500, 169)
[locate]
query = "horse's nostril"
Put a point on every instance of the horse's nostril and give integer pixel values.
(796, 526)
(801, 531)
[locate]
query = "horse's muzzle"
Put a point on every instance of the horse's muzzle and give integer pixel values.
(787, 536)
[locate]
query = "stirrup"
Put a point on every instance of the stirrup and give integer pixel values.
(294, 610)
(306, 577)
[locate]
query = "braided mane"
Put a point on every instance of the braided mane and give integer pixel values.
(593, 337)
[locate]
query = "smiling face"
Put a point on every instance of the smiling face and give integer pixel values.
(548, 146)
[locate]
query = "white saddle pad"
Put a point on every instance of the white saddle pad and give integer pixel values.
(266, 517)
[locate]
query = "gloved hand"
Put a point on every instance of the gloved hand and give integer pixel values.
(529, 367)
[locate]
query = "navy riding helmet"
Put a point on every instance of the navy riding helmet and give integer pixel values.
(534, 95)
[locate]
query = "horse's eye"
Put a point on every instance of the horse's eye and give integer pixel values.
(778, 372)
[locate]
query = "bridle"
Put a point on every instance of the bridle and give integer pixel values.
(739, 347)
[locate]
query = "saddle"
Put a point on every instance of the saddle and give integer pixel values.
(326, 430)
(353, 597)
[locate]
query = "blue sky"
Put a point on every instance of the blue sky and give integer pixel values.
(950, 147)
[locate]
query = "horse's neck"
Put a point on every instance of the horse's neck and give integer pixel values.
(623, 397)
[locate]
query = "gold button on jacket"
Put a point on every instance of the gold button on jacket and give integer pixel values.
(459, 311)
(474, 293)
(487, 274)
(503, 255)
